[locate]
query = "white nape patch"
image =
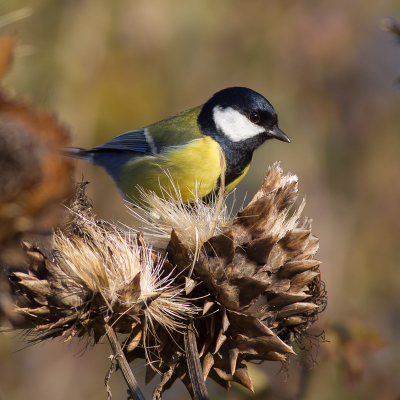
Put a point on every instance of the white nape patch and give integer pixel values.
(150, 141)
(235, 125)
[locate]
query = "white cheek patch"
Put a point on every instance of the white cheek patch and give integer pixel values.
(235, 125)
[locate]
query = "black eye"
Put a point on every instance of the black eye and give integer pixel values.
(254, 117)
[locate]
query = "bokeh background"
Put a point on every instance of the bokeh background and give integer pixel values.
(330, 71)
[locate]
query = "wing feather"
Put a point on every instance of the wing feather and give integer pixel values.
(175, 130)
(133, 141)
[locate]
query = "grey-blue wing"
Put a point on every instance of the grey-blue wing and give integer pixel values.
(132, 141)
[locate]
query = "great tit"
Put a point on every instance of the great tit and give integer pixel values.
(183, 148)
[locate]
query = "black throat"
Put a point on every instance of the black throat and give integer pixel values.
(238, 155)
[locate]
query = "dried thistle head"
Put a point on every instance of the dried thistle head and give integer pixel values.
(195, 222)
(259, 285)
(94, 274)
(251, 285)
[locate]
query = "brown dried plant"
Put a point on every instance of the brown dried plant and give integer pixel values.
(34, 179)
(248, 292)
(94, 274)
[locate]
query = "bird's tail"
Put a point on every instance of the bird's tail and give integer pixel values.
(75, 152)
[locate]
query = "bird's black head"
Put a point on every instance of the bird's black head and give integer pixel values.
(240, 117)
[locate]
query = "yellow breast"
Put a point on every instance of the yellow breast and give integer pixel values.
(194, 168)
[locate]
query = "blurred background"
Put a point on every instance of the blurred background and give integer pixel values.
(330, 71)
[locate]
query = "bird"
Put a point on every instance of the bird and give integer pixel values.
(183, 151)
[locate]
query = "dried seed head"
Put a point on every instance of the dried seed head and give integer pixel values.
(195, 223)
(94, 274)
(259, 284)
(250, 289)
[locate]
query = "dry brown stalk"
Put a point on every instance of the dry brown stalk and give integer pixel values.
(135, 392)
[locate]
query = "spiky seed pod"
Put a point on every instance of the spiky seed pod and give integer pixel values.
(94, 275)
(259, 284)
(250, 290)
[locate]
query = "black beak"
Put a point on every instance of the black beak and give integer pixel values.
(276, 133)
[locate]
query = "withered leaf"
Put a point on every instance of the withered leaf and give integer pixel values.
(299, 281)
(208, 362)
(177, 252)
(247, 325)
(279, 300)
(268, 356)
(297, 308)
(262, 344)
(290, 269)
(135, 337)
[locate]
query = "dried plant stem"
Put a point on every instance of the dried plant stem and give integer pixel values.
(157, 394)
(112, 369)
(194, 366)
(130, 380)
